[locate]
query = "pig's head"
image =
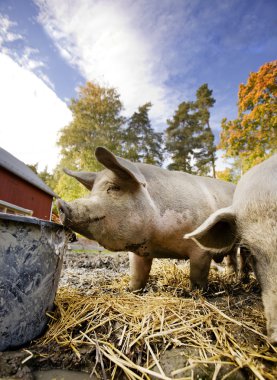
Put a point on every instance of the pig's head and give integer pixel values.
(118, 212)
(254, 227)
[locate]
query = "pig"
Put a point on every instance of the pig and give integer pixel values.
(251, 221)
(145, 210)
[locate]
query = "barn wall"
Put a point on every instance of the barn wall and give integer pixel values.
(21, 193)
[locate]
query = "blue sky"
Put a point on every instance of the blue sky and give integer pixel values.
(150, 50)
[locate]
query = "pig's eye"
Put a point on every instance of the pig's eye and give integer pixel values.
(113, 188)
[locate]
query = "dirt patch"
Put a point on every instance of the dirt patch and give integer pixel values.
(99, 327)
(84, 271)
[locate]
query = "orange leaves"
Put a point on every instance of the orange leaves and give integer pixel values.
(261, 88)
(253, 136)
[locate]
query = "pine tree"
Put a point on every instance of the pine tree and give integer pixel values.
(189, 138)
(205, 155)
(142, 143)
(181, 137)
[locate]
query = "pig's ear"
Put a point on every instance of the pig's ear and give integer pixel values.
(121, 167)
(218, 233)
(86, 178)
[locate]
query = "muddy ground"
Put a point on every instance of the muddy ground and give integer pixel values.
(85, 265)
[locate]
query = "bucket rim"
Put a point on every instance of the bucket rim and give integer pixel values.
(30, 220)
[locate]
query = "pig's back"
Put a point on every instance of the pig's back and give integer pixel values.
(259, 183)
(183, 191)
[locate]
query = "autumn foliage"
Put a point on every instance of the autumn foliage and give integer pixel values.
(253, 135)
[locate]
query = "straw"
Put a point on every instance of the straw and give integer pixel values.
(130, 333)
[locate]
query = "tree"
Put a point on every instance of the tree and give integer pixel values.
(33, 167)
(229, 174)
(180, 137)
(97, 120)
(205, 156)
(252, 137)
(67, 187)
(189, 138)
(47, 177)
(142, 143)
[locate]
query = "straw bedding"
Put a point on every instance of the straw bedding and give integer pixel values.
(164, 332)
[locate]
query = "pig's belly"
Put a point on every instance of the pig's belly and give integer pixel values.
(169, 255)
(164, 248)
(173, 249)
(182, 251)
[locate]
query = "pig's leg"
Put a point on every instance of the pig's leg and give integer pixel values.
(199, 269)
(232, 262)
(245, 267)
(270, 306)
(139, 270)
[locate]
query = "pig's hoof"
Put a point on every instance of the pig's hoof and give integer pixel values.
(139, 291)
(135, 291)
(136, 287)
(199, 287)
(196, 293)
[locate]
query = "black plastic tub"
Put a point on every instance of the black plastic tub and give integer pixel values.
(31, 255)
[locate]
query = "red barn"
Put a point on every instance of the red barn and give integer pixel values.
(21, 190)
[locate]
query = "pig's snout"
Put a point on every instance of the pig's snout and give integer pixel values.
(63, 210)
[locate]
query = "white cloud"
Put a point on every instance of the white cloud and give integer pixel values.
(6, 35)
(104, 41)
(26, 56)
(27, 61)
(31, 115)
